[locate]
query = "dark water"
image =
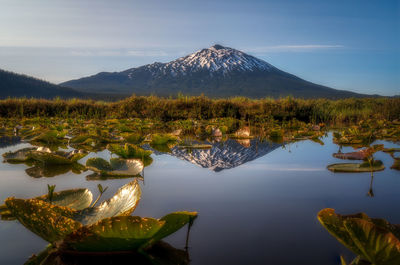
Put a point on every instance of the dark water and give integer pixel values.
(259, 207)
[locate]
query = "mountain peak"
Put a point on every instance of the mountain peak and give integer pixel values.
(215, 59)
(217, 47)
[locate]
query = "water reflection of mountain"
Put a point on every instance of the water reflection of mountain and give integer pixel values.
(224, 155)
(6, 141)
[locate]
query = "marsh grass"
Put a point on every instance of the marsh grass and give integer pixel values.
(350, 110)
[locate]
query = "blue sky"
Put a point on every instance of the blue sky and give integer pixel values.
(353, 45)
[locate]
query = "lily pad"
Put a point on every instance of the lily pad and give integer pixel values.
(173, 222)
(162, 139)
(396, 163)
(359, 155)
(195, 146)
(377, 245)
(50, 222)
(116, 166)
(97, 176)
(58, 157)
(129, 151)
(18, 156)
(75, 199)
(123, 202)
(119, 233)
(52, 170)
(375, 240)
(356, 167)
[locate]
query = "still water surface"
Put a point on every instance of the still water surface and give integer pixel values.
(257, 204)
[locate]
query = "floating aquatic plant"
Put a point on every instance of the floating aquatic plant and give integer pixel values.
(40, 170)
(105, 228)
(162, 139)
(46, 156)
(357, 167)
(375, 241)
(129, 151)
(116, 167)
(19, 156)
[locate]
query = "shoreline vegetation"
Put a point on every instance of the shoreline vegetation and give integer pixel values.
(332, 112)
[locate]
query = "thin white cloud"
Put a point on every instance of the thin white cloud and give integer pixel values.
(293, 48)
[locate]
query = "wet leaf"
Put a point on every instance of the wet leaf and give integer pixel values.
(335, 226)
(356, 167)
(129, 151)
(121, 233)
(173, 222)
(76, 199)
(116, 167)
(50, 222)
(377, 245)
(123, 202)
(18, 156)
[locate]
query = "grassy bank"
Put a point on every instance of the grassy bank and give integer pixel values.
(203, 108)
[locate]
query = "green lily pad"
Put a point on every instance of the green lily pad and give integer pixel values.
(75, 199)
(375, 240)
(195, 146)
(97, 176)
(45, 156)
(50, 137)
(18, 156)
(129, 151)
(162, 139)
(52, 170)
(377, 245)
(123, 202)
(121, 233)
(50, 222)
(173, 222)
(356, 167)
(116, 167)
(334, 223)
(391, 150)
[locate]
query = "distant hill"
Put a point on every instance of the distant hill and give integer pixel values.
(215, 72)
(17, 85)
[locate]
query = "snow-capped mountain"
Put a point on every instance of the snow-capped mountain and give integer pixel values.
(226, 155)
(216, 72)
(215, 60)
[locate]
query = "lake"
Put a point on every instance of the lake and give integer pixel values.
(257, 201)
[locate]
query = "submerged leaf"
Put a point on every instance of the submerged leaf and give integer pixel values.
(121, 233)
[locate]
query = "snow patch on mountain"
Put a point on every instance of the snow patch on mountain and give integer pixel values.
(215, 60)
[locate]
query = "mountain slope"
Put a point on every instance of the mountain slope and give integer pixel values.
(16, 85)
(216, 72)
